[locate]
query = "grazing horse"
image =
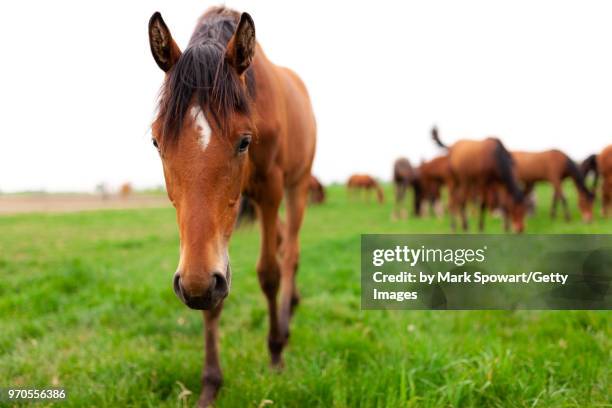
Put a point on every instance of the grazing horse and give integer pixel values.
(604, 167)
(554, 166)
(433, 175)
(483, 165)
(125, 191)
(365, 182)
(230, 121)
(404, 177)
(316, 191)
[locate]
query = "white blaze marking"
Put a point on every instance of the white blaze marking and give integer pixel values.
(202, 126)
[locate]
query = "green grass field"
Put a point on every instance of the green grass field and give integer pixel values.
(86, 303)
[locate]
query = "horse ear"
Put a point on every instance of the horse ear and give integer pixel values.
(164, 49)
(241, 47)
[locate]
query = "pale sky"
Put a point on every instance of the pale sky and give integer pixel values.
(78, 83)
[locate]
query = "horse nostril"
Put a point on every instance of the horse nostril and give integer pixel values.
(176, 283)
(205, 298)
(219, 284)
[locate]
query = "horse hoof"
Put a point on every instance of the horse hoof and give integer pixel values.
(205, 402)
(276, 350)
(210, 389)
(208, 396)
(277, 363)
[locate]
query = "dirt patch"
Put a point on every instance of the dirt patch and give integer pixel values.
(59, 203)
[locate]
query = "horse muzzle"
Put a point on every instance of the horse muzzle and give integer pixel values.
(208, 298)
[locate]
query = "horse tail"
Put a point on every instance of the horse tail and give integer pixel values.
(505, 164)
(574, 172)
(321, 193)
(590, 165)
(436, 138)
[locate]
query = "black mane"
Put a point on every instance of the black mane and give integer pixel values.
(203, 73)
(505, 164)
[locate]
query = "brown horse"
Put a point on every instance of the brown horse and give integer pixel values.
(604, 167)
(433, 175)
(601, 164)
(405, 177)
(230, 121)
(482, 165)
(316, 191)
(365, 182)
(554, 166)
(126, 190)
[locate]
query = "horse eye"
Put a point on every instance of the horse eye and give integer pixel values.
(244, 143)
(155, 144)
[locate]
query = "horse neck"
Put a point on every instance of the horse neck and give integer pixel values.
(514, 189)
(267, 80)
(590, 165)
(505, 167)
(577, 177)
(266, 105)
(270, 100)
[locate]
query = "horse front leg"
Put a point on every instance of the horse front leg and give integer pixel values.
(399, 201)
(483, 207)
(556, 197)
(417, 199)
(432, 206)
(568, 217)
(289, 296)
(463, 213)
(463, 199)
(553, 207)
(483, 210)
(453, 219)
(453, 203)
(559, 196)
(395, 215)
(268, 269)
(212, 376)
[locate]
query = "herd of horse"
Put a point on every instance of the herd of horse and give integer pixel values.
(233, 125)
(485, 173)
